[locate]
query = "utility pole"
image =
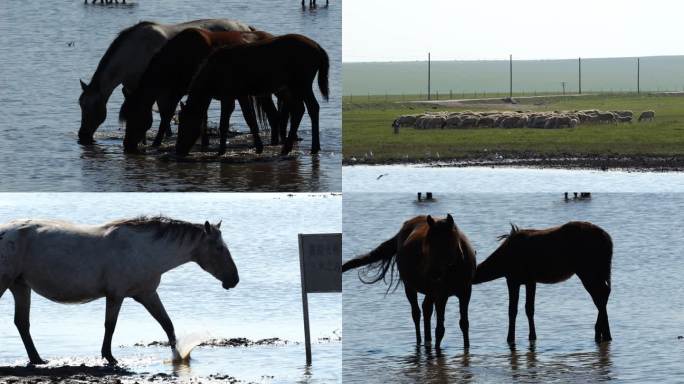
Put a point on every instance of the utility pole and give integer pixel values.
(510, 69)
(428, 75)
(579, 64)
(563, 84)
(638, 76)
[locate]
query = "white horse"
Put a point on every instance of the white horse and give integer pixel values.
(70, 263)
(126, 59)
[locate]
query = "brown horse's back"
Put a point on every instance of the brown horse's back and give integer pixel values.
(233, 38)
(555, 254)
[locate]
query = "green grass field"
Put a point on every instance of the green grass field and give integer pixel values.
(368, 136)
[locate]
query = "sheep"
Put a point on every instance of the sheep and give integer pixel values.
(647, 115)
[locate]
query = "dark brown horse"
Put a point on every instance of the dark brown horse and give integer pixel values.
(433, 257)
(168, 76)
(548, 256)
(286, 63)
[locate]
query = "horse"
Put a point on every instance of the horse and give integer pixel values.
(433, 257)
(549, 256)
(69, 263)
(168, 76)
(286, 64)
(126, 59)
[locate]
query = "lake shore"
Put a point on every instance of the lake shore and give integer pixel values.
(632, 163)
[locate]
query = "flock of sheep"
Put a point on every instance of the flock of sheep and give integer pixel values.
(518, 119)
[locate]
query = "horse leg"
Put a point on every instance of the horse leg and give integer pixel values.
(166, 110)
(313, 109)
(513, 293)
(283, 116)
(463, 303)
(428, 304)
(296, 113)
(154, 306)
(111, 315)
(440, 308)
(530, 290)
(247, 107)
(273, 117)
(22, 308)
(599, 291)
(227, 108)
(412, 296)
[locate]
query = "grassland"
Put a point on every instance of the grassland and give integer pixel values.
(368, 137)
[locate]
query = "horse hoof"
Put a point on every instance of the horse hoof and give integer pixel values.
(38, 361)
(111, 361)
(259, 150)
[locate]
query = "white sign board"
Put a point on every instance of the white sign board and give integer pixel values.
(320, 263)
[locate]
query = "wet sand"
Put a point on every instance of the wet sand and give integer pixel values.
(88, 373)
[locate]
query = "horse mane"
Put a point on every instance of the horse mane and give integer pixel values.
(514, 231)
(162, 226)
(116, 44)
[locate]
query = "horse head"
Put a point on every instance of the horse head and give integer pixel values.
(442, 248)
(93, 112)
(214, 257)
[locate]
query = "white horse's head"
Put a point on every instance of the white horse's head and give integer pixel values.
(213, 256)
(93, 112)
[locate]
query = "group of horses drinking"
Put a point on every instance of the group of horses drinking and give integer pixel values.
(434, 257)
(208, 59)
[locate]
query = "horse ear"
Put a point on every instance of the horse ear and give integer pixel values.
(430, 221)
(207, 227)
(514, 229)
(218, 226)
(84, 86)
(450, 220)
(125, 92)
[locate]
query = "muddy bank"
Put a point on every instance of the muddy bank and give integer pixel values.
(633, 163)
(244, 342)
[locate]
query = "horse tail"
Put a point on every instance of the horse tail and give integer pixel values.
(378, 263)
(323, 70)
(259, 110)
(609, 255)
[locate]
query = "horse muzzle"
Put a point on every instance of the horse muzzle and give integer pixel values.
(228, 284)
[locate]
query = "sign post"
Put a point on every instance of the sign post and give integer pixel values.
(320, 263)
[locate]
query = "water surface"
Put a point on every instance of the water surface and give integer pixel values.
(645, 307)
(46, 50)
(414, 178)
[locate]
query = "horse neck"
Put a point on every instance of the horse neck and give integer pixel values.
(492, 268)
(170, 253)
(127, 64)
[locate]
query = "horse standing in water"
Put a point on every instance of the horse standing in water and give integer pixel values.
(67, 263)
(548, 256)
(433, 257)
(126, 59)
(286, 63)
(168, 76)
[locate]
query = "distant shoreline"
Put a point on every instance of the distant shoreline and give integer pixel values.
(573, 162)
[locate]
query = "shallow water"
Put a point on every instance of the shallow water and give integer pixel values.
(644, 308)
(262, 238)
(40, 115)
(415, 178)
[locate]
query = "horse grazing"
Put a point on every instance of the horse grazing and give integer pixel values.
(168, 76)
(286, 64)
(433, 257)
(126, 59)
(68, 263)
(548, 256)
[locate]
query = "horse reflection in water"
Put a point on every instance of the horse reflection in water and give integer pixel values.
(70, 263)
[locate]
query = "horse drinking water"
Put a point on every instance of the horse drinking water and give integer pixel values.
(126, 59)
(548, 256)
(433, 257)
(168, 76)
(286, 64)
(70, 263)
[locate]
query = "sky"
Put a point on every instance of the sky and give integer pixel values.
(406, 30)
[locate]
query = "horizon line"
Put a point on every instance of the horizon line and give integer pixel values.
(514, 59)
